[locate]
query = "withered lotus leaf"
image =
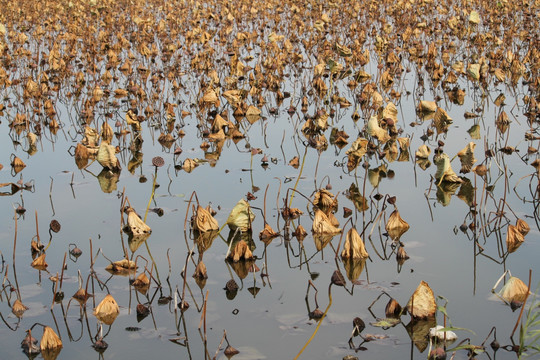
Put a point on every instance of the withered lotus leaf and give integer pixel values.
(374, 129)
(189, 165)
(441, 120)
(30, 344)
(427, 106)
(514, 238)
(18, 308)
(300, 233)
(141, 280)
(241, 216)
(294, 162)
(81, 156)
(444, 169)
(17, 164)
(422, 303)
(135, 225)
(106, 133)
(39, 263)
(325, 201)
(522, 226)
(514, 291)
(107, 311)
(358, 148)
(106, 157)
(466, 156)
(322, 225)
(107, 180)
(204, 221)
(200, 271)
(418, 331)
(267, 233)
(82, 296)
(393, 309)
(240, 251)
(401, 254)
(354, 268)
(121, 266)
(230, 351)
(354, 247)
(396, 226)
(423, 152)
(49, 340)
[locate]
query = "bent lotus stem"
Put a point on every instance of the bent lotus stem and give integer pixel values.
(320, 322)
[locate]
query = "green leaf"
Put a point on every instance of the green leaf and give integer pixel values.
(386, 323)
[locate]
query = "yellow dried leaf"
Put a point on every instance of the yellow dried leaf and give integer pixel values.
(423, 152)
(39, 263)
(325, 201)
(396, 226)
(322, 225)
(106, 157)
(354, 247)
(204, 221)
(514, 238)
(514, 291)
(427, 106)
(422, 303)
(18, 308)
(107, 311)
(466, 156)
(240, 251)
(373, 129)
(136, 225)
(49, 340)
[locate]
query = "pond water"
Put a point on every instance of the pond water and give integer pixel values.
(316, 88)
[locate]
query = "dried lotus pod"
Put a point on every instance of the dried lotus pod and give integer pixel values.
(354, 247)
(107, 311)
(106, 157)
